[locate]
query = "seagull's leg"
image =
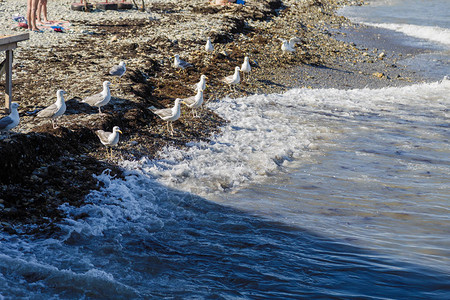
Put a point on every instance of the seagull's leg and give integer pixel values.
(99, 110)
(168, 126)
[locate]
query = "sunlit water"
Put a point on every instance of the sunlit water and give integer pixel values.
(327, 194)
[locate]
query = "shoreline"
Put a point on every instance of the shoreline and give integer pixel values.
(45, 167)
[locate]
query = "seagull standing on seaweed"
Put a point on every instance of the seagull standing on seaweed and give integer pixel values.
(100, 99)
(194, 102)
(181, 64)
(55, 110)
(245, 68)
(118, 70)
(168, 114)
(289, 46)
(234, 79)
(12, 120)
(209, 46)
(201, 85)
(109, 139)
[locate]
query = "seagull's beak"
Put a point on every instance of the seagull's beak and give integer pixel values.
(119, 131)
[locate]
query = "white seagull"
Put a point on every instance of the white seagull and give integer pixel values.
(194, 102)
(100, 99)
(109, 139)
(168, 114)
(12, 120)
(55, 110)
(201, 85)
(289, 46)
(181, 64)
(118, 70)
(245, 68)
(209, 46)
(234, 79)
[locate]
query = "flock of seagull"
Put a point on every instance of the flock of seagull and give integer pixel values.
(110, 139)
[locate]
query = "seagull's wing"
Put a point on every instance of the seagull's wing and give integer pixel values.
(103, 136)
(94, 99)
(116, 70)
(48, 112)
(189, 101)
(294, 41)
(228, 79)
(163, 113)
(5, 122)
(185, 64)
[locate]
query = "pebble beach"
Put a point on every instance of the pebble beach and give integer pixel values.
(45, 167)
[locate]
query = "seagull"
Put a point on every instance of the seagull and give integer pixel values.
(109, 139)
(289, 46)
(209, 46)
(100, 99)
(201, 84)
(12, 120)
(179, 63)
(168, 114)
(55, 110)
(245, 68)
(118, 70)
(234, 79)
(194, 101)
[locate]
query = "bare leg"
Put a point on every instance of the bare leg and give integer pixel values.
(31, 14)
(43, 4)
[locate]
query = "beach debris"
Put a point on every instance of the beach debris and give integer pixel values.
(109, 139)
(55, 110)
(209, 46)
(12, 120)
(100, 99)
(118, 70)
(289, 46)
(245, 68)
(234, 79)
(106, 5)
(168, 114)
(181, 64)
(201, 85)
(82, 6)
(194, 102)
(378, 74)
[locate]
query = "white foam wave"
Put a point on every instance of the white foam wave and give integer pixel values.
(267, 132)
(431, 33)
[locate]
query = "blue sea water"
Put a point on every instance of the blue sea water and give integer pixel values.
(311, 194)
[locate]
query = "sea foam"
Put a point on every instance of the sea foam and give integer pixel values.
(431, 33)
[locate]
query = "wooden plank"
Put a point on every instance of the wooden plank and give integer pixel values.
(14, 38)
(10, 46)
(8, 83)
